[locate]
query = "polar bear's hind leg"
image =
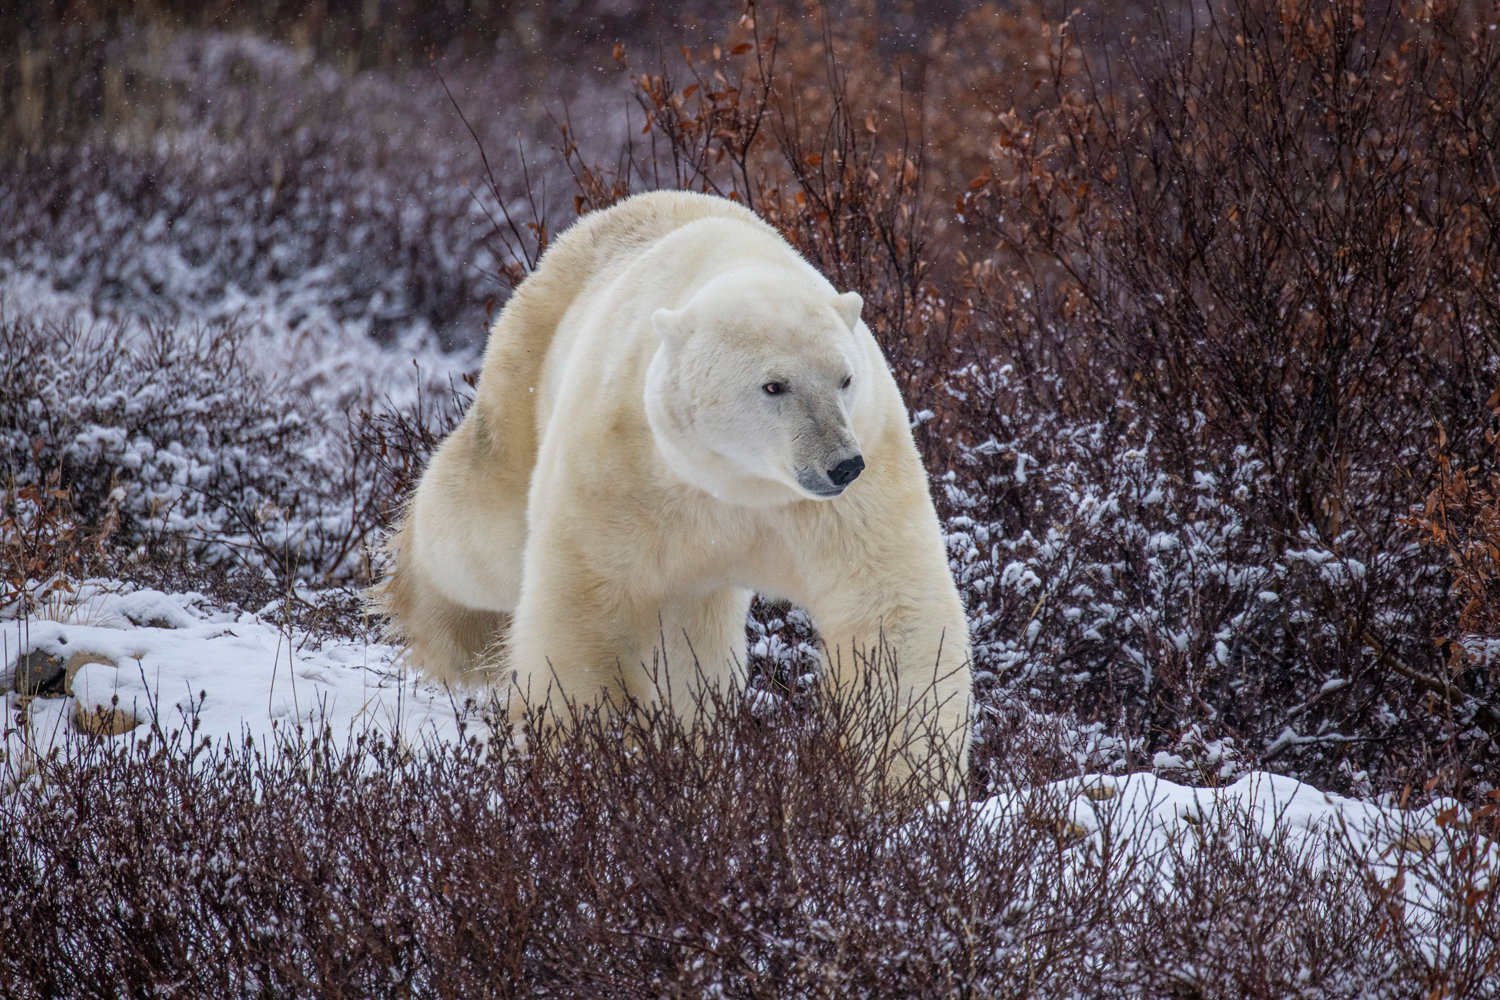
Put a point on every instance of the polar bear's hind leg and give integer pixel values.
(447, 640)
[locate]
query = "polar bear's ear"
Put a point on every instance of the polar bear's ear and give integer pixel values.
(848, 306)
(670, 327)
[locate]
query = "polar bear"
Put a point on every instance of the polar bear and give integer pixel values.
(675, 412)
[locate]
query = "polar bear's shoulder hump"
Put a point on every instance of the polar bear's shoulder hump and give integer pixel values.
(646, 218)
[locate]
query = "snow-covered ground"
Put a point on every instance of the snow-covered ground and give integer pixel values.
(1411, 857)
(168, 658)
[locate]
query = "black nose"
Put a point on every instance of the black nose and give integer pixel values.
(847, 470)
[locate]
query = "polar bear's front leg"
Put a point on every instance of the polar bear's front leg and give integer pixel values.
(579, 635)
(564, 642)
(903, 663)
(690, 650)
(894, 630)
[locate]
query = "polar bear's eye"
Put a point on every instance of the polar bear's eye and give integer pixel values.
(773, 388)
(848, 379)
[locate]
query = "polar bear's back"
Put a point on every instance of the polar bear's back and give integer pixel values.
(602, 240)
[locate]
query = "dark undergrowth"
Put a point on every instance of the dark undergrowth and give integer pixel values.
(753, 857)
(1191, 359)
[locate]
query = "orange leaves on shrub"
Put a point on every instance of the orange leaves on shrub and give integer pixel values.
(1461, 516)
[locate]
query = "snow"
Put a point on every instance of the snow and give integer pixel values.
(1146, 816)
(169, 657)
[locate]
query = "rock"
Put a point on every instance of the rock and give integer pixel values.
(39, 674)
(1064, 829)
(82, 659)
(103, 721)
(1420, 843)
(106, 706)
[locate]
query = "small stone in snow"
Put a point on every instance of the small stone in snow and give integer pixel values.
(1419, 842)
(1062, 828)
(103, 721)
(79, 660)
(40, 675)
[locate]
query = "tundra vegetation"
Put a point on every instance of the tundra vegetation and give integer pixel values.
(1195, 309)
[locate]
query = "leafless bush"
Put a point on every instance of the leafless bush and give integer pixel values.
(163, 452)
(636, 857)
(1244, 244)
(300, 225)
(1178, 320)
(1177, 360)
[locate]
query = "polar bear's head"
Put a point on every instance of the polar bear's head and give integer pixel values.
(754, 391)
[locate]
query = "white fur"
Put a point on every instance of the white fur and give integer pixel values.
(624, 482)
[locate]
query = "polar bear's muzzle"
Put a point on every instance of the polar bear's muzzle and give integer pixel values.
(830, 482)
(826, 456)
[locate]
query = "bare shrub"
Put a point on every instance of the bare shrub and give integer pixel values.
(1249, 253)
(1461, 520)
(638, 857)
(1177, 319)
(168, 454)
(1176, 358)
